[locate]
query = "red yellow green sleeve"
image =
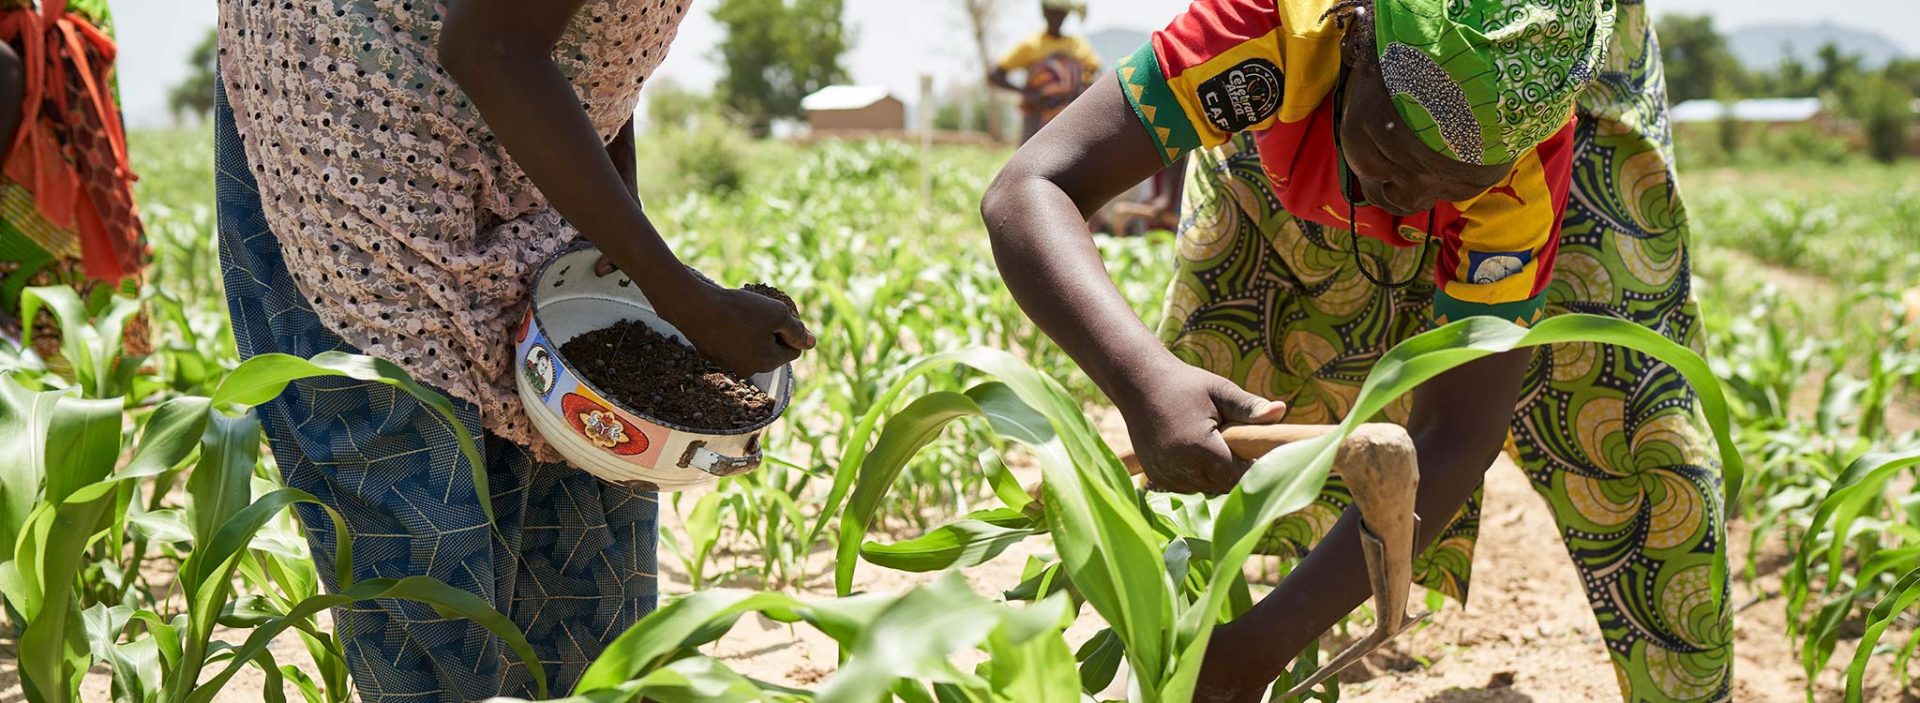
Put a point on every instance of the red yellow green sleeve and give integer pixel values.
(1215, 71)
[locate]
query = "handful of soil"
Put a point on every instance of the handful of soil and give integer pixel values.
(774, 293)
(662, 378)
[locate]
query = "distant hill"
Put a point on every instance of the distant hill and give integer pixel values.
(1116, 43)
(1764, 46)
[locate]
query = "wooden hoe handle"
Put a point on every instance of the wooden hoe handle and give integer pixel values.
(1378, 465)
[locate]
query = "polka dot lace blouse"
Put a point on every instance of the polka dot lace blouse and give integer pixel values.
(400, 216)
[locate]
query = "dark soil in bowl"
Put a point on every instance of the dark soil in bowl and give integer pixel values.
(661, 378)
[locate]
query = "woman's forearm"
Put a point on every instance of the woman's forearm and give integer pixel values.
(1036, 214)
(625, 160)
(533, 110)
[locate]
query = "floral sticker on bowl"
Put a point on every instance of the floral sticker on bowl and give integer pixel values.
(601, 425)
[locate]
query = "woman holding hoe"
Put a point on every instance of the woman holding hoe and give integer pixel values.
(1364, 170)
(390, 175)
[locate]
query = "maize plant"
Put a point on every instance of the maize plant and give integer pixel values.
(77, 490)
(1106, 532)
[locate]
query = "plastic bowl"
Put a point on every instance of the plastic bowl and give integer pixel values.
(596, 433)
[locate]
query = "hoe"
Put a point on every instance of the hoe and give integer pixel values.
(1378, 464)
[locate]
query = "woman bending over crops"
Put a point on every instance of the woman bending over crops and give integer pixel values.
(390, 175)
(1364, 170)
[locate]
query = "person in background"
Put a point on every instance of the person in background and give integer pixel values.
(1362, 171)
(390, 176)
(1058, 68)
(67, 214)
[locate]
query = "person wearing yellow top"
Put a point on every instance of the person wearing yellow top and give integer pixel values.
(1059, 68)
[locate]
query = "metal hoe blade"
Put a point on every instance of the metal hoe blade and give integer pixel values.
(1380, 469)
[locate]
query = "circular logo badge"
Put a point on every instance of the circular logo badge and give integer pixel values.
(1241, 97)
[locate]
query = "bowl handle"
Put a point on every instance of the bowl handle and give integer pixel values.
(698, 456)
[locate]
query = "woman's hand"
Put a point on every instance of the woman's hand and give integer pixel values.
(742, 331)
(1174, 417)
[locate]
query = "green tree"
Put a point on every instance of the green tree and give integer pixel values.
(777, 52)
(1699, 64)
(1906, 72)
(194, 96)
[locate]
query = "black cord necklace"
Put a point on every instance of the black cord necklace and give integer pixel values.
(1346, 193)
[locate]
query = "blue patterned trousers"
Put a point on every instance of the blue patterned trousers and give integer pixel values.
(569, 558)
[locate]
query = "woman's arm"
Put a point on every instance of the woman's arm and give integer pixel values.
(998, 79)
(1036, 212)
(621, 150)
(500, 52)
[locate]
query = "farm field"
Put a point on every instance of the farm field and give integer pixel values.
(1807, 277)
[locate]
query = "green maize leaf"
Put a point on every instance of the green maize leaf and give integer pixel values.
(135, 665)
(262, 378)
(705, 616)
(24, 419)
(908, 431)
(856, 451)
(1005, 485)
(90, 340)
(222, 484)
(1888, 561)
(207, 575)
(1849, 495)
(77, 338)
(1100, 659)
(165, 635)
(1010, 416)
(83, 443)
(969, 542)
(1882, 616)
(913, 638)
(309, 690)
(1039, 580)
(669, 631)
(695, 679)
(172, 433)
(1287, 479)
(50, 663)
(703, 530)
(273, 688)
(1177, 558)
(212, 560)
(1032, 669)
(450, 601)
(1823, 635)
(166, 525)
(103, 627)
(1092, 507)
(249, 611)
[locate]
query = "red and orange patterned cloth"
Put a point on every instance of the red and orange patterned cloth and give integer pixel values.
(66, 189)
(1270, 66)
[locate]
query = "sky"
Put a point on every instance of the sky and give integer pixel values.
(896, 41)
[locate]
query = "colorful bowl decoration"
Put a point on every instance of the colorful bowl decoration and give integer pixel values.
(596, 433)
